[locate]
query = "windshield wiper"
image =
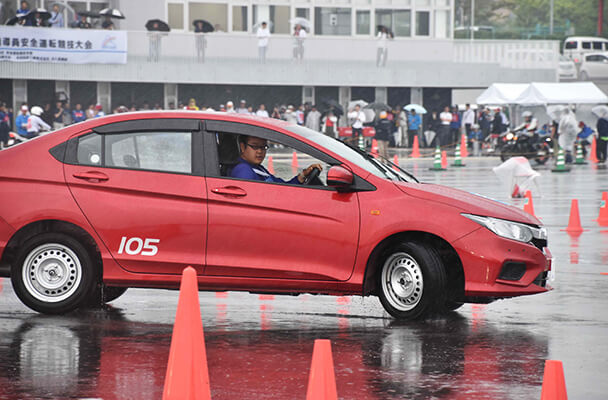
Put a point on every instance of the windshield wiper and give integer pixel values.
(387, 171)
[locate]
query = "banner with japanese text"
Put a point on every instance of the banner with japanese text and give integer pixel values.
(67, 46)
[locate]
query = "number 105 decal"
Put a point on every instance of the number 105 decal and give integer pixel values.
(135, 245)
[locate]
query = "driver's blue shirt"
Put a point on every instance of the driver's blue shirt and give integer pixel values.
(246, 170)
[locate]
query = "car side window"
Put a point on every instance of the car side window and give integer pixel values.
(571, 45)
(597, 45)
(155, 151)
(586, 45)
(89, 149)
(280, 160)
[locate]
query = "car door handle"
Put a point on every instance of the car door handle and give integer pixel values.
(230, 191)
(92, 176)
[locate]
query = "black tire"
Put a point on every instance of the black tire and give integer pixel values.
(412, 281)
(451, 305)
(111, 293)
(53, 273)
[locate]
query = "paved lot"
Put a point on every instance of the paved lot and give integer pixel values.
(260, 347)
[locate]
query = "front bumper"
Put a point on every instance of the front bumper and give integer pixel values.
(486, 258)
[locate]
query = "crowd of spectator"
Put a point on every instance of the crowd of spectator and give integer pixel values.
(39, 17)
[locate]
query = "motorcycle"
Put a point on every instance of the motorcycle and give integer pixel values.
(526, 144)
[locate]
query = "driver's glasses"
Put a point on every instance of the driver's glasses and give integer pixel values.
(258, 148)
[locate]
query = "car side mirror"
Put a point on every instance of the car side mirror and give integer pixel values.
(340, 178)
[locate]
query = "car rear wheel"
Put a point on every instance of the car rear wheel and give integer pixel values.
(53, 273)
(412, 281)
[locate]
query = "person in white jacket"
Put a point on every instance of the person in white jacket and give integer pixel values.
(35, 124)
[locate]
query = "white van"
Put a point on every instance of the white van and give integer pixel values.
(576, 46)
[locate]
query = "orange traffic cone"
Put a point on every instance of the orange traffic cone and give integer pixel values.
(396, 162)
(593, 151)
(603, 217)
(322, 379)
(574, 224)
(270, 165)
(554, 384)
(187, 374)
(415, 148)
(444, 160)
(529, 204)
(374, 151)
(463, 146)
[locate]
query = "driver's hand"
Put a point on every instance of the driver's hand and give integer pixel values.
(302, 176)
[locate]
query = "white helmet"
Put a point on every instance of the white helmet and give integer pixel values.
(526, 114)
(37, 111)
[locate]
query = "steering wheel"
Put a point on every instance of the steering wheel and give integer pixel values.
(311, 177)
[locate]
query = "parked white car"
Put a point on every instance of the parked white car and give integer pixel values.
(594, 66)
(567, 69)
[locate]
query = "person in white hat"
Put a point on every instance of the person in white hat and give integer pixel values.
(230, 107)
(21, 120)
(35, 124)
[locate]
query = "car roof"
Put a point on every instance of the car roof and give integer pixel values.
(573, 38)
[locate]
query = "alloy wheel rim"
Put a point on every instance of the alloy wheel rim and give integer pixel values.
(402, 281)
(51, 272)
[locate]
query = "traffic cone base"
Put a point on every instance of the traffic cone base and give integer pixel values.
(322, 378)
(554, 383)
(560, 165)
(187, 373)
(574, 223)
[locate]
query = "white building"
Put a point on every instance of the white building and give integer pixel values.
(424, 65)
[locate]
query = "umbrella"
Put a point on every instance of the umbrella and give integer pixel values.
(377, 106)
(429, 136)
(416, 107)
(388, 30)
(44, 14)
(259, 24)
(90, 14)
(13, 21)
(112, 12)
(333, 104)
(157, 25)
(303, 22)
(517, 173)
(600, 111)
(207, 27)
(360, 103)
(369, 114)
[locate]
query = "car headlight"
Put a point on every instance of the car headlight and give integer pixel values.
(509, 229)
(510, 136)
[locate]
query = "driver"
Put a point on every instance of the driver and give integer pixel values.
(529, 126)
(253, 151)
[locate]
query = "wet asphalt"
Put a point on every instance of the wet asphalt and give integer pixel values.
(260, 346)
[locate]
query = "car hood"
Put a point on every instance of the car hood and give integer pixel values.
(467, 202)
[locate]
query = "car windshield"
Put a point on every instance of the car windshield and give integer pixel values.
(378, 166)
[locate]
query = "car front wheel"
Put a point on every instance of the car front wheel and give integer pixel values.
(53, 273)
(412, 281)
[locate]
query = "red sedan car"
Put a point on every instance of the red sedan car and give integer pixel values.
(129, 200)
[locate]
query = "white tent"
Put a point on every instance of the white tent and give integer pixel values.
(502, 93)
(561, 93)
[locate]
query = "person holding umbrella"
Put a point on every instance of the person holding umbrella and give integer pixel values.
(108, 14)
(156, 30)
(357, 119)
(200, 28)
(413, 124)
(383, 35)
(299, 34)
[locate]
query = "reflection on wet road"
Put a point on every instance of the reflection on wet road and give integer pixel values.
(260, 346)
